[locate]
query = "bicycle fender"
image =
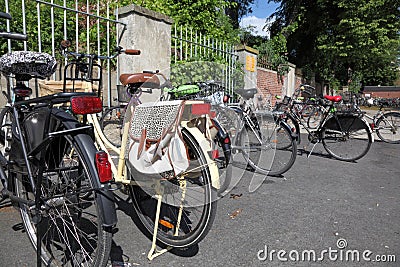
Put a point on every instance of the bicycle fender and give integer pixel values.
(297, 128)
(369, 128)
(287, 126)
(104, 196)
(205, 145)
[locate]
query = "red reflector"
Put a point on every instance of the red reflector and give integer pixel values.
(372, 125)
(201, 109)
(23, 92)
(226, 99)
(227, 140)
(103, 167)
(86, 105)
(215, 154)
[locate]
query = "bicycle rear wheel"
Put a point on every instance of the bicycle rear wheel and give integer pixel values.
(193, 194)
(112, 123)
(271, 149)
(71, 222)
(388, 127)
(346, 138)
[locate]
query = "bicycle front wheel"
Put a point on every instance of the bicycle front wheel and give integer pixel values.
(346, 138)
(112, 123)
(271, 149)
(315, 117)
(388, 127)
(188, 204)
(71, 227)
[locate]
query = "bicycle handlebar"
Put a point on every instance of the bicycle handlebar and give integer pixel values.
(119, 50)
(5, 16)
(14, 36)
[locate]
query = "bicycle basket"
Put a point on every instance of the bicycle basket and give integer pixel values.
(123, 96)
(286, 100)
(307, 91)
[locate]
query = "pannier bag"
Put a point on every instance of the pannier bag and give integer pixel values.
(155, 145)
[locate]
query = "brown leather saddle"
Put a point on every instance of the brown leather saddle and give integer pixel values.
(137, 80)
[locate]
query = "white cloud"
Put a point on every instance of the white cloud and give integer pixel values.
(259, 23)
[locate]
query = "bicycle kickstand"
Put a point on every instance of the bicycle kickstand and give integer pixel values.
(154, 252)
(312, 149)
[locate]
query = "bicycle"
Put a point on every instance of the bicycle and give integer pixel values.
(267, 145)
(385, 124)
(50, 168)
(345, 135)
(177, 211)
(221, 147)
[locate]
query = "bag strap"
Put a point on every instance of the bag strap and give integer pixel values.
(142, 142)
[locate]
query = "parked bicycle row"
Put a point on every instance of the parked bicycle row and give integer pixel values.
(63, 154)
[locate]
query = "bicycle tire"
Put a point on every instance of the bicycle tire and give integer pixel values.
(72, 225)
(388, 127)
(314, 118)
(112, 123)
(4, 123)
(222, 144)
(346, 138)
(279, 146)
(196, 219)
(294, 125)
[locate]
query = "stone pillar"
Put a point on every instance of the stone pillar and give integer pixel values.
(248, 57)
(290, 80)
(150, 32)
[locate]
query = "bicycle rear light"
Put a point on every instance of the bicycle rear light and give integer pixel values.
(86, 105)
(372, 125)
(215, 154)
(201, 109)
(226, 98)
(103, 167)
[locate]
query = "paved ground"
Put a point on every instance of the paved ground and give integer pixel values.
(318, 202)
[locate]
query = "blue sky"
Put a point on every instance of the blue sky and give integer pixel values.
(261, 10)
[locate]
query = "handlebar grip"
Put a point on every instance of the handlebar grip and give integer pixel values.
(14, 36)
(65, 44)
(5, 16)
(132, 51)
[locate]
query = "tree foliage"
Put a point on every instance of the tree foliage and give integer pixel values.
(205, 16)
(342, 40)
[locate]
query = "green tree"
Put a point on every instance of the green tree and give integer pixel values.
(329, 38)
(205, 16)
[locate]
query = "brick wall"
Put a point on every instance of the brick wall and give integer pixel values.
(269, 83)
(383, 94)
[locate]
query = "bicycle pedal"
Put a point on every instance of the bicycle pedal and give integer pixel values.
(3, 160)
(4, 194)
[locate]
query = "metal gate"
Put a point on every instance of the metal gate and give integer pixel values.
(90, 25)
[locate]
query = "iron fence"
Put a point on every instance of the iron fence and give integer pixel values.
(207, 58)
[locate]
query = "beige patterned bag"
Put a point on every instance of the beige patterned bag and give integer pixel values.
(156, 145)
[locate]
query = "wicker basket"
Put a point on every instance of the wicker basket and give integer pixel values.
(52, 87)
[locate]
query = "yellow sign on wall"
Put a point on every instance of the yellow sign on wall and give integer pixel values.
(250, 63)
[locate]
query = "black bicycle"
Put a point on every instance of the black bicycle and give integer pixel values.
(344, 134)
(50, 167)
